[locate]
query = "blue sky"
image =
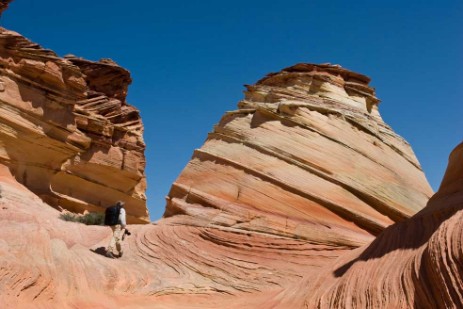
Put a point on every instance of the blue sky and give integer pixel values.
(190, 59)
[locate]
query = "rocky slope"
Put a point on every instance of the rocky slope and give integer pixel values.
(66, 131)
(413, 264)
(302, 198)
(55, 264)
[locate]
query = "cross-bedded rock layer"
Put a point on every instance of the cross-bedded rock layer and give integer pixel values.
(55, 264)
(66, 132)
(300, 199)
(416, 263)
(307, 155)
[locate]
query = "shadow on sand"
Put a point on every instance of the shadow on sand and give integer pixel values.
(100, 251)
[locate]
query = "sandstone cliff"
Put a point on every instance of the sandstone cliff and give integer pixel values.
(302, 198)
(66, 131)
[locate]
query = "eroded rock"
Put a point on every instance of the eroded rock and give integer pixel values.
(307, 146)
(66, 131)
(302, 198)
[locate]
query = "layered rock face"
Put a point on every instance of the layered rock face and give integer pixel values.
(412, 264)
(66, 131)
(302, 198)
(307, 155)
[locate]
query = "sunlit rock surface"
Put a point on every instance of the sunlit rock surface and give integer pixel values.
(66, 131)
(307, 156)
(51, 263)
(302, 198)
(416, 263)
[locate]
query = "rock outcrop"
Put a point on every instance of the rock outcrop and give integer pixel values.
(302, 198)
(308, 156)
(412, 264)
(66, 131)
(55, 264)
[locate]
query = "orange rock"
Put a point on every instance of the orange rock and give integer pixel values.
(66, 130)
(185, 263)
(302, 198)
(412, 264)
(307, 146)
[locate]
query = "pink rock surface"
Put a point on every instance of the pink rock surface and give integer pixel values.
(308, 147)
(412, 264)
(56, 264)
(302, 198)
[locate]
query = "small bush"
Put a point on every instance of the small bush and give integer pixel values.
(68, 216)
(91, 218)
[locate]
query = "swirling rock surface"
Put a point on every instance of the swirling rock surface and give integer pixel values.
(307, 156)
(302, 198)
(416, 263)
(66, 132)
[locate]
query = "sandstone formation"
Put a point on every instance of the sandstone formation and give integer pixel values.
(307, 155)
(415, 263)
(302, 198)
(66, 131)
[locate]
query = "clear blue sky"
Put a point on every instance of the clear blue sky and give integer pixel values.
(189, 60)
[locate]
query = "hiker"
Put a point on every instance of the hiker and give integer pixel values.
(115, 218)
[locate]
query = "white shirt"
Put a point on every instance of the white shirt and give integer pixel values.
(122, 218)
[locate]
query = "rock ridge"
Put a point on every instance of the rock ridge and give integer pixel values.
(67, 130)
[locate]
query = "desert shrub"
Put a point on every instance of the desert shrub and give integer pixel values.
(91, 218)
(68, 216)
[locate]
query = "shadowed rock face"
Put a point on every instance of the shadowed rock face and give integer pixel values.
(412, 264)
(66, 132)
(302, 198)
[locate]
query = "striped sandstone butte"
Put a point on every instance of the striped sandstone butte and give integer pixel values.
(306, 155)
(302, 198)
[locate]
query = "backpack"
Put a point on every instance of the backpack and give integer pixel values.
(111, 216)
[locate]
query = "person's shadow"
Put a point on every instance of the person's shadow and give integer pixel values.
(100, 251)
